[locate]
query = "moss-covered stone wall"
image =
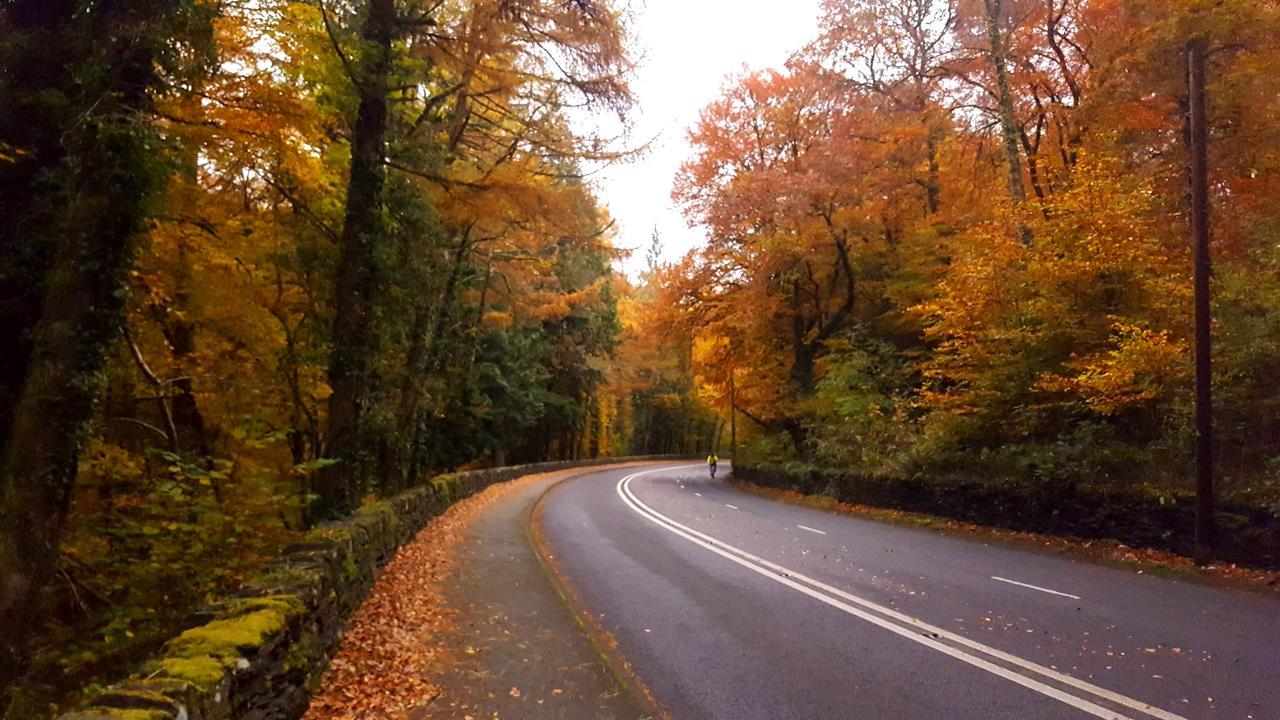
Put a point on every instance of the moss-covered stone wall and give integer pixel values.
(259, 655)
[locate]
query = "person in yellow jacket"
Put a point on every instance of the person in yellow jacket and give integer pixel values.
(711, 463)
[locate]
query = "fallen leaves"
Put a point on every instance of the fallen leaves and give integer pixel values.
(396, 642)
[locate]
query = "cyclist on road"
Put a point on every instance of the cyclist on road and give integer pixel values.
(711, 463)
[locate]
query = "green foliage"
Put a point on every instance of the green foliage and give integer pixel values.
(151, 537)
(861, 409)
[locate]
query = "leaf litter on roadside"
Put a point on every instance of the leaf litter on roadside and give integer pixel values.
(398, 640)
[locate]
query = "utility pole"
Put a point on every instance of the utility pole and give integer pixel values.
(733, 417)
(1204, 362)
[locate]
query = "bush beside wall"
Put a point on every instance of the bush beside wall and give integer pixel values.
(1137, 516)
(258, 656)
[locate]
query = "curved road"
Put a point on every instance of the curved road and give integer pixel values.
(733, 606)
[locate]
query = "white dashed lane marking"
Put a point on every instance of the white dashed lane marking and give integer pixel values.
(1035, 587)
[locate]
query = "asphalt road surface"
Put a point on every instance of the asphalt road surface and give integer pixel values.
(733, 606)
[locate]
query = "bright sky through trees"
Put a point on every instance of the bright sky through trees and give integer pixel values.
(687, 48)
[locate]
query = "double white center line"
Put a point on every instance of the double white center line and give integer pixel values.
(1072, 691)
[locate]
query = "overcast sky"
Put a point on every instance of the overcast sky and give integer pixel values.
(687, 49)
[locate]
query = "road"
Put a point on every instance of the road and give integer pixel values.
(729, 605)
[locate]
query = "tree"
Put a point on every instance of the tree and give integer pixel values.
(340, 486)
(798, 182)
(487, 85)
(214, 418)
(76, 193)
(968, 348)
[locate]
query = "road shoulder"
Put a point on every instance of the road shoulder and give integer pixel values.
(466, 623)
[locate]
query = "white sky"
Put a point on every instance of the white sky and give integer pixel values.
(686, 49)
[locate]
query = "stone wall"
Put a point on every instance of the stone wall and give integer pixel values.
(259, 655)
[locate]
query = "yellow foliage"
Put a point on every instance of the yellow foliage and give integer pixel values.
(1143, 366)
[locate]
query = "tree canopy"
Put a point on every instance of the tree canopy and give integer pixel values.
(267, 260)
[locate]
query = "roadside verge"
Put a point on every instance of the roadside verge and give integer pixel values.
(465, 625)
(262, 652)
(1104, 551)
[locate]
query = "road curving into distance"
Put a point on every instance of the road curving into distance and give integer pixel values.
(733, 606)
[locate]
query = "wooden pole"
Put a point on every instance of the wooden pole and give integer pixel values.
(1203, 358)
(733, 418)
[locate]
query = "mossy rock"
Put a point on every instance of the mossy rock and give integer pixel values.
(304, 577)
(378, 507)
(447, 488)
(340, 533)
(136, 699)
(142, 702)
(178, 691)
(203, 672)
(203, 655)
(307, 549)
(102, 713)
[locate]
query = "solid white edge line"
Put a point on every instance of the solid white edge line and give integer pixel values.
(715, 546)
(1035, 587)
(812, 530)
(783, 575)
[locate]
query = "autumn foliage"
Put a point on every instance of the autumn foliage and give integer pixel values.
(266, 260)
(952, 237)
(352, 247)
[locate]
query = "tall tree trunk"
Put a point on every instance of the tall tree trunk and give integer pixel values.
(733, 414)
(1009, 131)
(934, 133)
(423, 359)
(801, 346)
(104, 182)
(351, 366)
(799, 437)
(180, 333)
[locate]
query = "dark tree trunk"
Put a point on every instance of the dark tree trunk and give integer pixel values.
(423, 359)
(933, 182)
(181, 335)
(809, 335)
(799, 438)
(101, 180)
(30, 30)
(351, 365)
(802, 368)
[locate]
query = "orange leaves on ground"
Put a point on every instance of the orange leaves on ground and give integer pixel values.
(383, 666)
(402, 636)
